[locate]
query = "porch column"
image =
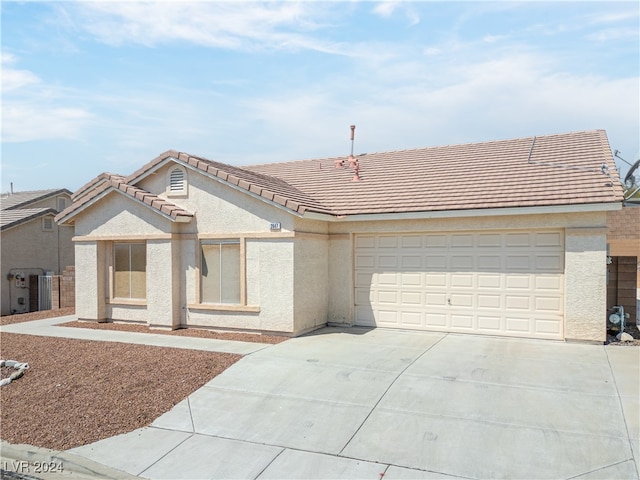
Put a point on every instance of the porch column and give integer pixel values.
(163, 289)
(91, 281)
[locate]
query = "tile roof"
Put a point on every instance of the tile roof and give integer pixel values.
(107, 182)
(10, 201)
(563, 169)
(12, 218)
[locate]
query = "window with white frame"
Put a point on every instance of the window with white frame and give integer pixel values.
(47, 224)
(130, 271)
(220, 272)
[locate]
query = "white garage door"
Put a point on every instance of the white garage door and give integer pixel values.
(496, 283)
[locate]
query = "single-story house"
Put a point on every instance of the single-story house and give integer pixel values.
(32, 245)
(498, 238)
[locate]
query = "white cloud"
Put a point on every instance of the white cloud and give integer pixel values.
(32, 110)
(24, 123)
(231, 25)
(387, 9)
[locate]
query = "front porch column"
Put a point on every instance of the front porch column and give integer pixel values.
(91, 281)
(163, 289)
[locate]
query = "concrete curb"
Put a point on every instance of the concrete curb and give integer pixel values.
(27, 461)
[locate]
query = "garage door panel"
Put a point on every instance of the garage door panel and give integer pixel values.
(411, 318)
(518, 262)
(548, 239)
(550, 263)
(389, 297)
(435, 319)
(491, 324)
(518, 325)
(489, 301)
(489, 281)
(364, 279)
(461, 299)
(388, 241)
(461, 262)
(435, 241)
(365, 261)
(411, 298)
(435, 299)
(514, 302)
(462, 321)
(518, 282)
(387, 279)
(411, 279)
(518, 240)
(548, 304)
(462, 280)
(436, 262)
(411, 241)
(498, 283)
(388, 261)
(490, 240)
(388, 317)
(489, 262)
(548, 282)
(462, 240)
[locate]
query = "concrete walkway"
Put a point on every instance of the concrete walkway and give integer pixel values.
(357, 403)
(49, 328)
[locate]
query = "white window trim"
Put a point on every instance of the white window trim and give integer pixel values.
(112, 283)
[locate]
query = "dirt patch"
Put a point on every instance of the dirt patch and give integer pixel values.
(183, 332)
(77, 392)
(27, 317)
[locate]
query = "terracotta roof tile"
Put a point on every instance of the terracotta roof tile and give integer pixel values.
(559, 169)
(118, 182)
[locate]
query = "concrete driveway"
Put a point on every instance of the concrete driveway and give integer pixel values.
(357, 403)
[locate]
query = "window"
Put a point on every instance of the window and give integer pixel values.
(47, 224)
(130, 270)
(220, 275)
(177, 181)
(62, 204)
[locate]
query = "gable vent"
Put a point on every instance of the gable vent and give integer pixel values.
(176, 180)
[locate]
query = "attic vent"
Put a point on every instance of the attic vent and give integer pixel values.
(177, 181)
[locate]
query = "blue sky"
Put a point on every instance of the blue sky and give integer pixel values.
(89, 87)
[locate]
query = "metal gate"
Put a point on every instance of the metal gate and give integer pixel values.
(45, 284)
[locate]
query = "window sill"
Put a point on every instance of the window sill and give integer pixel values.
(225, 308)
(127, 301)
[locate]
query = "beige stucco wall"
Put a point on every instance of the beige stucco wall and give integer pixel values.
(29, 249)
(311, 273)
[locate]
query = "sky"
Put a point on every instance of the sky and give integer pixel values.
(89, 87)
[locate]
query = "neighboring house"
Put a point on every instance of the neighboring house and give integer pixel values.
(32, 245)
(623, 241)
(498, 238)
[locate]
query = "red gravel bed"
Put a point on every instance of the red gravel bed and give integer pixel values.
(182, 332)
(27, 317)
(77, 392)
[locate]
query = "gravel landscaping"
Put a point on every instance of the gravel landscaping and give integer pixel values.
(77, 392)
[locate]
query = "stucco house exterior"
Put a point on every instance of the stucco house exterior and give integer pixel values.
(32, 244)
(498, 238)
